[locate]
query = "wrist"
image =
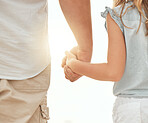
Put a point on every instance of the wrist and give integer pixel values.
(84, 55)
(87, 49)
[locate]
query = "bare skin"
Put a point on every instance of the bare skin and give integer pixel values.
(78, 16)
(114, 68)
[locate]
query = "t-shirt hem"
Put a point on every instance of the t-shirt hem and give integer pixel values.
(23, 78)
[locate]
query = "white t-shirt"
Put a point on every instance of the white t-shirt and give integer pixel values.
(24, 47)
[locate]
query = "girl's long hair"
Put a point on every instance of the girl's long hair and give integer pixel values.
(136, 3)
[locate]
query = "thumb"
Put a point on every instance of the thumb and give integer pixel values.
(69, 55)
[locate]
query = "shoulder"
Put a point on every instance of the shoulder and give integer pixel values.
(113, 14)
(129, 12)
(116, 11)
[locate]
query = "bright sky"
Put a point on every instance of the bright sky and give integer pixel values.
(85, 100)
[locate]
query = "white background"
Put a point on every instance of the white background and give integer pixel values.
(86, 100)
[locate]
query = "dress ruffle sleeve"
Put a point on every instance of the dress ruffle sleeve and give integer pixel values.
(114, 17)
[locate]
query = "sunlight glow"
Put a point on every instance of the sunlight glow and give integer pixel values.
(86, 100)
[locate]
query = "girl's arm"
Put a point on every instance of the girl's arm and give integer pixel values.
(114, 68)
(100, 71)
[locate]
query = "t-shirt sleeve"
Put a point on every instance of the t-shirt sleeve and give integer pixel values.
(114, 17)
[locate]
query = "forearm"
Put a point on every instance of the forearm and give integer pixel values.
(78, 16)
(100, 71)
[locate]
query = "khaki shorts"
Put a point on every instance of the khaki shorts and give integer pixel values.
(25, 101)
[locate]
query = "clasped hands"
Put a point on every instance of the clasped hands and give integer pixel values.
(71, 56)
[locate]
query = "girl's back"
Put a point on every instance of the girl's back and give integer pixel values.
(134, 82)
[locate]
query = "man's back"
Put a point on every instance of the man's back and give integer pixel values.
(24, 49)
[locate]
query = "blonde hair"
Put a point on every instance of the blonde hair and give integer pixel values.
(136, 3)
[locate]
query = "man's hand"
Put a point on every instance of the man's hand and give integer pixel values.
(80, 55)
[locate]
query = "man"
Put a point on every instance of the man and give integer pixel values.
(25, 57)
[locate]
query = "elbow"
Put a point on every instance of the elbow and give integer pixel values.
(61, 2)
(115, 76)
(115, 73)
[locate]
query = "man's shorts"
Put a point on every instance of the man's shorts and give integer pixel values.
(25, 101)
(130, 110)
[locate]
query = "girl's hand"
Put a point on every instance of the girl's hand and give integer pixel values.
(70, 75)
(70, 58)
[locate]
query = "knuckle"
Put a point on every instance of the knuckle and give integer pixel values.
(72, 80)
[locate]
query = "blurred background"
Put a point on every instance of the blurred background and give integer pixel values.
(86, 100)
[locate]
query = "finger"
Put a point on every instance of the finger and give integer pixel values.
(70, 72)
(71, 75)
(67, 74)
(64, 61)
(66, 77)
(65, 71)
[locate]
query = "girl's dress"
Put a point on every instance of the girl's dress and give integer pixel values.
(131, 104)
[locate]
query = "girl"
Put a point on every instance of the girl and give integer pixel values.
(127, 66)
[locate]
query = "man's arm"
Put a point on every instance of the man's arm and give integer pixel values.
(78, 16)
